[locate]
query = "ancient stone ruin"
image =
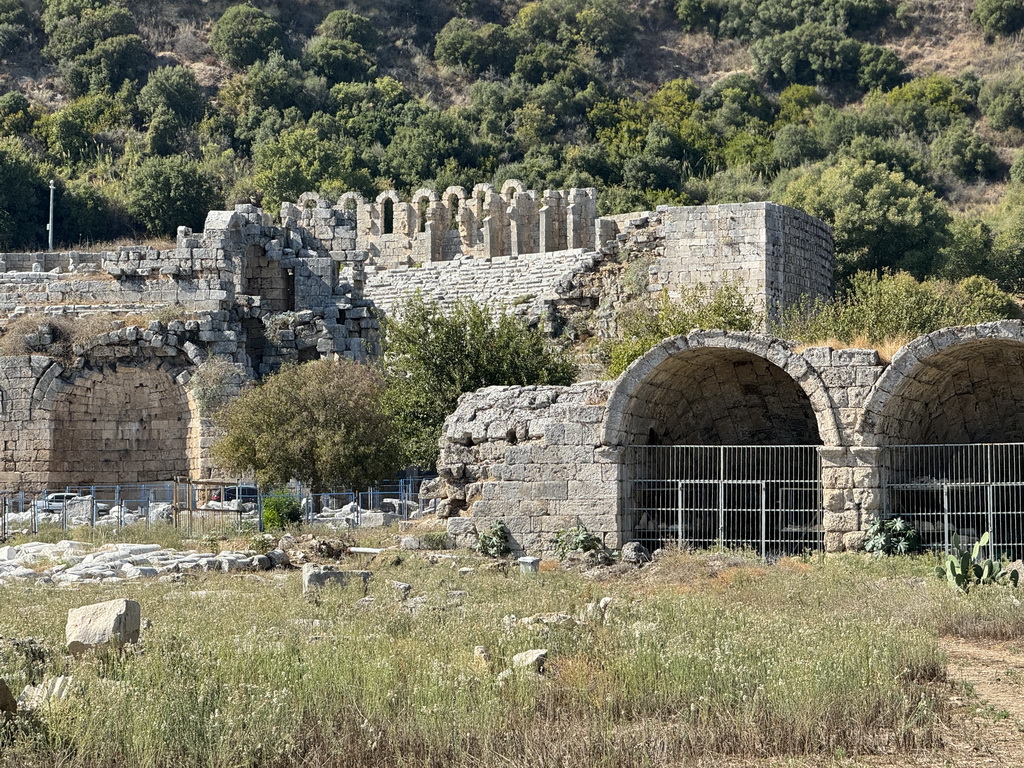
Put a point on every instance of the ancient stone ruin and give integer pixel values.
(709, 438)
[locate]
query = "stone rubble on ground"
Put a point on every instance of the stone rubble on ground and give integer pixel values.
(73, 562)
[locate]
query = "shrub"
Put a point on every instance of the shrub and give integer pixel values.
(245, 35)
(433, 356)
(495, 542)
(167, 192)
(577, 539)
(105, 68)
(960, 151)
(345, 25)
(176, 90)
(641, 326)
(1001, 100)
(339, 61)
(475, 48)
(280, 511)
(879, 218)
(998, 17)
(894, 536)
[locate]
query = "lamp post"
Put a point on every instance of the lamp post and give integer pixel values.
(49, 227)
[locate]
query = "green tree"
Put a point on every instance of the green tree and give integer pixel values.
(322, 423)
(879, 218)
(167, 192)
(475, 47)
(339, 61)
(245, 35)
(433, 356)
(998, 17)
(642, 324)
(1001, 100)
(23, 195)
(174, 90)
(345, 25)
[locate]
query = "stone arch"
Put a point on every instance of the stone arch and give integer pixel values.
(387, 202)
(958, 385)
(422, 200)
(720, 388)
(511, 189)
(120, 422)
(349, 205)
(454, 200)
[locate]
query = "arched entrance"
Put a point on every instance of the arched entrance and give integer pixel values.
(120, 424)
(951, 423)
(719, 445)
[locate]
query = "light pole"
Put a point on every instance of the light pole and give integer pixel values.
(49, 227)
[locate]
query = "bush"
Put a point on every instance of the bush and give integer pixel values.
(998, 17)
(894, 536)
(879, 218)
(280, 511)
(339, 61)
(245, 35)
(963, 153)
(105, 68)
(475, 48)
(167, 192)
(641, 326)
(577, 539)
(174, 90)
(495, 542)
(345, 25)
(889, 307)
(1001, 100)
(433, 356)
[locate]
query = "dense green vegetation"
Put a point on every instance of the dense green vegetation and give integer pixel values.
(154, 115)
(433, 355)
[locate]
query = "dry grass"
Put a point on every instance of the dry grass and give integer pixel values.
(886, 349)
(811, 659)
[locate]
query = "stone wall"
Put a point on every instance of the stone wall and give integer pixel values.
(531, 457)
(715, 388)
(777, 254)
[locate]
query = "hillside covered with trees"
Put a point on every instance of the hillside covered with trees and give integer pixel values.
(901, 124)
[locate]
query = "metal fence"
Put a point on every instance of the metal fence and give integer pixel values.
(765, 498)
(964, 489)
(198, 506)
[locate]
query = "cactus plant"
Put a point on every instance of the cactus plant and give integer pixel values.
(964, 568)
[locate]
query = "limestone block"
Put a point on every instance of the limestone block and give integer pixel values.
(316, 577)
(854, 540)
(114, 622)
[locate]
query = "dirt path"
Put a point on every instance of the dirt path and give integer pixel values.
(994, 735)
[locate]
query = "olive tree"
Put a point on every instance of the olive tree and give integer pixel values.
(322, 423)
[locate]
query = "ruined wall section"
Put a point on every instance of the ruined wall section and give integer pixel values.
(777, 254)
(530, 457)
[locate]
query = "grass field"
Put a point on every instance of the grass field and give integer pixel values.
(699, 659)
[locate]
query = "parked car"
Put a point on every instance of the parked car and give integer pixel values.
(59, 501)
(247, 494)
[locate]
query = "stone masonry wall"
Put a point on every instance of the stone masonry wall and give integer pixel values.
(777, 254)
(531, 457)
(942, 385)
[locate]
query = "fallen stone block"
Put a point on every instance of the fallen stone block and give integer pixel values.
(114, 622)
(315, 577)
(532, 660)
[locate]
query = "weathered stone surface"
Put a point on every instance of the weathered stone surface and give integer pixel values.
(532, 660)
(316, 577)
(112, 623)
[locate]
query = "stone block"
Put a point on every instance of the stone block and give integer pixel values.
(316, 577)
(112, 623)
